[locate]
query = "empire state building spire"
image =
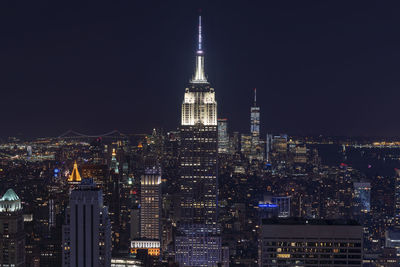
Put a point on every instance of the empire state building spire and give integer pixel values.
(199, 75)
(199, 105)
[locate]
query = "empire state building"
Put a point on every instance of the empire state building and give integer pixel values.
(198, 242)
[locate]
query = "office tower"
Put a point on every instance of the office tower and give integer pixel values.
(12, 235)
(112, 198)
(135, 223)
(114, 164)
(344, 192)
(245, 144)
(268, 147)
(255, 130)
(198, 242)
(300, 154)
(235, 143)
(150, 204)
(52, 214)
(303, 242)
(397, 198)
(283, 205)
(87, 229)
(362, 198)
(223, 137)
(279, 144)
(382, 207)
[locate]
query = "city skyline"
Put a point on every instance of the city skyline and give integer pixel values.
(89, 68)
(198, 190)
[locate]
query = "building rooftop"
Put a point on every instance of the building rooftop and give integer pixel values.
(301, 221)
(10, 195)
(393, 234)
(10, 202)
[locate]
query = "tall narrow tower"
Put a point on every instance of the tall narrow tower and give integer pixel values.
(150, 202)
(255, 130)
(198, 242)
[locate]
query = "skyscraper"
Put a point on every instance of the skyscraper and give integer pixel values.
(12, 236)
(150, 204)
(245, 144)
(223, 137)
(87, 231)
(362, 198)
(198, 242)
(268, 147)
(255, 130)
(397, 198)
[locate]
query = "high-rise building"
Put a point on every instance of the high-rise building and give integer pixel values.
(362, 198)
(397, 198)
(150, 204)
(198, 242)
(268, 147)
(255, 130)
(383, 207)
(135, 223)
(87, 229)
(223, 137)
(112, 198)
(12, 235)
(235, 143)
(52, 214)
(304, 242)
(280, 144)
(245, 144)
(300, 154)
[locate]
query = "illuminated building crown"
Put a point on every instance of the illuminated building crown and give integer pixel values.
(75, 176)
(199, 105)
(10, 202)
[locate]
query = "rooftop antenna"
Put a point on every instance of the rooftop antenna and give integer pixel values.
(200, 48)
(255, 97)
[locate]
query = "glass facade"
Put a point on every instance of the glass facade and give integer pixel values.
(223, 137)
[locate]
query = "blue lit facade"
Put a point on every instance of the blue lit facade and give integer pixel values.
(362, 198)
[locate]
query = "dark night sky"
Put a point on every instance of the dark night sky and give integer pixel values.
(329, 67)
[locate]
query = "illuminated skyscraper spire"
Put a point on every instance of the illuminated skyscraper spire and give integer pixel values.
(199, 76)
(255, 97)
(200, 39)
